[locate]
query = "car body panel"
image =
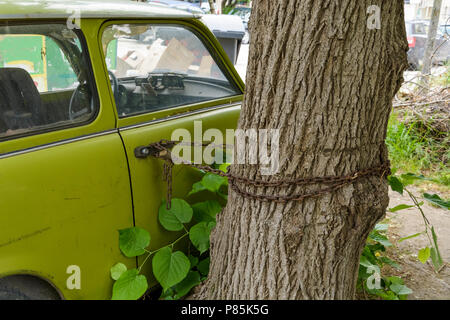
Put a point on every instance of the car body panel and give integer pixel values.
(66, 193)
(146, 174)
(149, 188)
(21, 9)
(66, 203)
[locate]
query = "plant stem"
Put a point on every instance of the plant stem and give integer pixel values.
(168, 245)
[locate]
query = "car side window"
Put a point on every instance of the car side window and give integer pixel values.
(45, 80)
(156, 67)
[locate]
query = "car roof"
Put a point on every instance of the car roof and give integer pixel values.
(41, 9)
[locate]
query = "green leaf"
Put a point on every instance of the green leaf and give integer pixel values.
(183, 288)
(424, 254)
(130, 286)
(375, 236)
(193, 260)
(437, 262)
(410, 237)
(396, 184)
(206, 211)
(390, 262)
(203, 266)
(133, 241)
(400, 289)
(196, 188)
(213, 182)
(199, 235)
(224, 166)
(409, 178)
(168, 295)
(365, 262)
(223, 196)
(395, 280)
(438, 254)
(117, 270)
(381, 227)
(170, 267)
(179, 213)
(389, 295)
(400, 207)
(436, 200)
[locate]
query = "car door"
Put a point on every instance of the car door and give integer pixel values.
(64, 183)
(169, 75)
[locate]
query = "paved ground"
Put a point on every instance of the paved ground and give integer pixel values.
(421, 278)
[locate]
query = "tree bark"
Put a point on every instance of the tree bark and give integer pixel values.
(212, 6)
(321, 76)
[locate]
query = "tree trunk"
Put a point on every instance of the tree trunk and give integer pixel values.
(432, 32)
(321, 76)
(212, 6)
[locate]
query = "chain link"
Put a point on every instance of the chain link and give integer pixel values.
(161, 150)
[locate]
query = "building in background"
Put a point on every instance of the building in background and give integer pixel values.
(421, 9)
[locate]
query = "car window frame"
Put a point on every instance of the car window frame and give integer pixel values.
(89, 74)
(211, 44)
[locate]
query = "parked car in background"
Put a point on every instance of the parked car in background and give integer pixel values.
(75, 104)
(417, 34)
(204, 4)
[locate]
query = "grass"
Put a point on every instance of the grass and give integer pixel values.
(418, 148)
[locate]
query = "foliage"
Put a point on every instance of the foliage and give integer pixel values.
(373, 258)
(432, 252)
(176, 272)
(372, 261)
(418, 146)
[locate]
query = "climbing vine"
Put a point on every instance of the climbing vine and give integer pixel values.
(178, 272)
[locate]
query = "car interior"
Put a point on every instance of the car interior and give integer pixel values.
(28, 100)
(159, 67)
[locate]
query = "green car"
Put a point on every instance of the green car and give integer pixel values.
(82, 85)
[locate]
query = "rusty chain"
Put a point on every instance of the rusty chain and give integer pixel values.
(161, 150)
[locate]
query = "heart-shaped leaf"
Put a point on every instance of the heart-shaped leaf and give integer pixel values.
(170, 267)
(199, 235)
(179, 213)
(133, 241)
(130, 286)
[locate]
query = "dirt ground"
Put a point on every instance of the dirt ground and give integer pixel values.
(421, 278)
